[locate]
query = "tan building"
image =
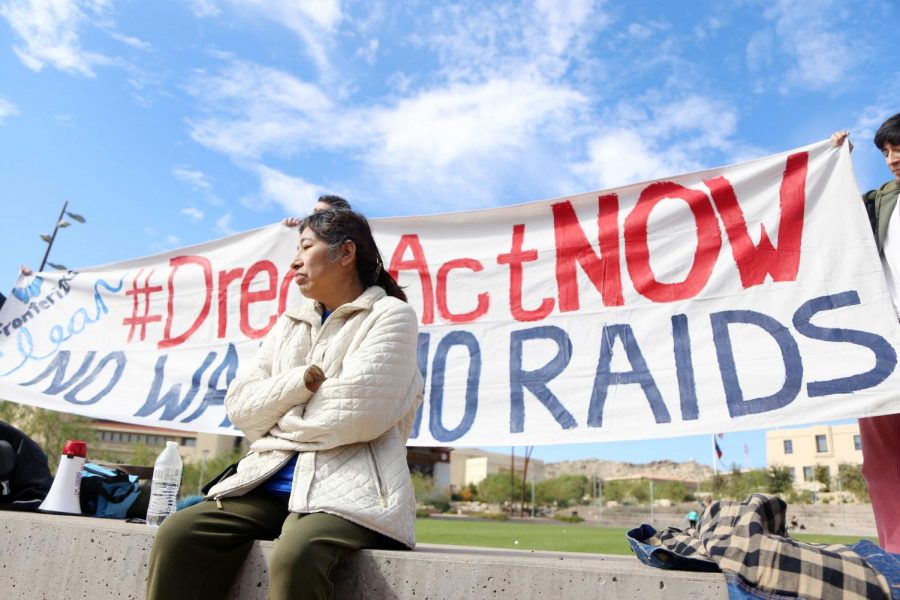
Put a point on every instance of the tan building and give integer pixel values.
(432, 462)
(120, 438)
(471, 465)
(802, 449)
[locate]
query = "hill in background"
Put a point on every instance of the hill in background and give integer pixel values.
(611, 469)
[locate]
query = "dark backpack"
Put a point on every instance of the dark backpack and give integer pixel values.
(24, 472)
(107, 492)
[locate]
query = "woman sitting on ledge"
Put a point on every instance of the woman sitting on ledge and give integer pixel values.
(327, 409)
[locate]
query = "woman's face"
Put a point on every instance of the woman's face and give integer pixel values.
(315, 267)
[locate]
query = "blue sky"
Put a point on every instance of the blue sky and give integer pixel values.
(171, 123)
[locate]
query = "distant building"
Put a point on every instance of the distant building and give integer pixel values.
(431, 462)
(471, 465)
(119, 439)
(802, 449)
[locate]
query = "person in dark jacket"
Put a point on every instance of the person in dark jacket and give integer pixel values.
(24, 472)
(880, 436)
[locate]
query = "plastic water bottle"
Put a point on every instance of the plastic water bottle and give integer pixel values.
(166, 480)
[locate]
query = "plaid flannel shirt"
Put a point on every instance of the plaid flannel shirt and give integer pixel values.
(748, 542)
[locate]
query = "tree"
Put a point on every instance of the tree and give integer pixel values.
(528, 451)
(423, 486)
(780, 479)
(49, 428)
(468, 493)
(739, 484)
(563, 490)
(675, 491)
(614, 490)
(495, 489)
(428, 494)
(822, 474)
(851, 480)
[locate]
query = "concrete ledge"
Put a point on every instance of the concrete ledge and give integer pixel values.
(52, 557)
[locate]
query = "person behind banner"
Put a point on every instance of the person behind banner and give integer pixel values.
(880, 436)
(327, 408)
(23, 270)
(327, 202)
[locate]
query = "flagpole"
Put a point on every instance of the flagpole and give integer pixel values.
(715, 456)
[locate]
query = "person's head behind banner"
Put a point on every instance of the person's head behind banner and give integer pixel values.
(335, 228)
(887, 140)
(331, 202)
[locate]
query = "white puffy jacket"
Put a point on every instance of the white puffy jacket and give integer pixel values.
(351, 434)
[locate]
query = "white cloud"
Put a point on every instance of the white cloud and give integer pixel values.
(666, 138)
(313, 21)
(48, 32)
(262, 87)
(7, 110)
(814, 36)
(503, 110)
(369, 52)
(159, 242)
(253, 109)
(205, 8)
(223, 224)
(711, 123)
(131, 41)
(293, 194)
(194, 214)
(458, 134)
(639, 31)
(497, 39)
(622, 156)
(197, 179)
(712, 24)
(562, 21)
(760, 50)
(430, 136)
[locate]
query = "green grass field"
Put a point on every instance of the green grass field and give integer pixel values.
(564, 537)
(523, 536)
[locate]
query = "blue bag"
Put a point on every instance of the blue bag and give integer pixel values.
(107, 492)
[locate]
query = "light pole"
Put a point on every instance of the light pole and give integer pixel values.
(60, 223)
(841, 498)
(532, 494)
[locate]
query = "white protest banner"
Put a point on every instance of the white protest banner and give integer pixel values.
(743, 297)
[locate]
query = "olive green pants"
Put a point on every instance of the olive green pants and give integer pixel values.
(198, 551)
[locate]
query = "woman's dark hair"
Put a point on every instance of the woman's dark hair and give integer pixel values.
(888, 133)
(334, 227)
(334, 202)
